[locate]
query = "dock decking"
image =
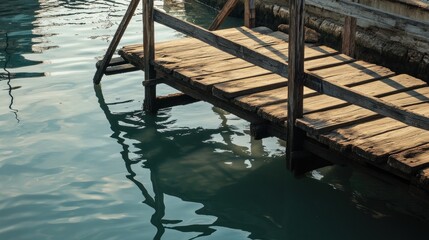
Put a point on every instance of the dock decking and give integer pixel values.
(260, 96)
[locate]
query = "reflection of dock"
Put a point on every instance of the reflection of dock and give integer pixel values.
(340, 107)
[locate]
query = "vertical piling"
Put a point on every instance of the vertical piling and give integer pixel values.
(349, 36)
(149, 55)
(295, 136)
(249, 13)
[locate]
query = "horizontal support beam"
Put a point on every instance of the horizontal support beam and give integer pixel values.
(389, 20)
(175, 99)
(371, 103)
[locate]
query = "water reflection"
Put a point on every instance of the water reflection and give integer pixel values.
(180, 166)
(264, 201)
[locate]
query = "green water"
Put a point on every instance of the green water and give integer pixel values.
(78, 162)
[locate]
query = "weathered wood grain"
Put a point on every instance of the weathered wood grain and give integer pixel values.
(378, 105)
(377, 148)
(207, 81)
(341, 139)
(232, 89)
(388, 86)
(354, 76)
(253, 102)
(412, 160)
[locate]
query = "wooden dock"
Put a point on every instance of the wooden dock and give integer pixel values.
(351, 109)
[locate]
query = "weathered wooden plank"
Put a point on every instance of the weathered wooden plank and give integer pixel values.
(275, 112)
(115, 41)
(320, 122)
(377, 148)
(200, 68)
(389, 20)
(260, 29)
(328, 62)
(341, 139)
(313, 52)
(356, 77)
(170, 63)
(243, 34)
(369, 102)
(207, 81)
(343, 69)
(253, 102)
(232, 89)
(221, 16)
(375, 140)
(411, 161)
(409, 98)
(116, 69)
(390, 86)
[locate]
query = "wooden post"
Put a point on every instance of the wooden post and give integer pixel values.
(115, 41)
(349, 35)
(249, 13)
(226, 10)
(149, 55)
(295, 136)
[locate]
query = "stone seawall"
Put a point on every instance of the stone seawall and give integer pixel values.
(390, 48)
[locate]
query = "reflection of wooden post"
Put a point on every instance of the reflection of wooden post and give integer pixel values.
(349, 35)
(249, 13)
(115, 41)
(295, 136)
(149, 55)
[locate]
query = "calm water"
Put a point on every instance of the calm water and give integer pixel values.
(78, 162)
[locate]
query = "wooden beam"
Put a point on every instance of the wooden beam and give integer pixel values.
(149, 55)
(363, 100)
(222, 43)
(388, 20)
(220, 18)
(115, 41)
(175, 99)
(295, 136)
(249, 13)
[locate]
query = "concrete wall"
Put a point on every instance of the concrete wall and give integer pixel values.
(390, 48)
